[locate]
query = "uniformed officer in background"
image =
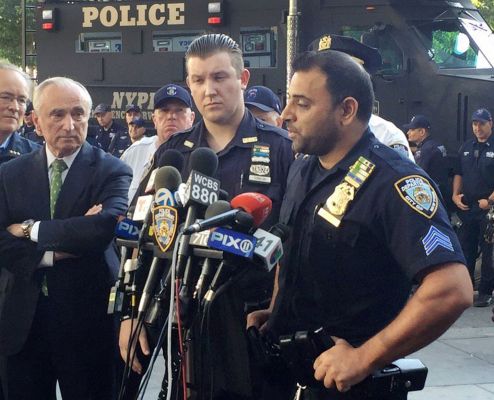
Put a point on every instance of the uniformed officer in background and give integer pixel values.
(28, 130)
(366, 224)
(15, 88)
(473, 195)
(370, 58)
(132, 112)
(264, 104)
(430, 155)
(111, 137)
(217, 79)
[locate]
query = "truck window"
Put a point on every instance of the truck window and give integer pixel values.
(458, 43)
(380, 37)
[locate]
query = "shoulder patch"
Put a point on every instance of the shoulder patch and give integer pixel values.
(418, 193)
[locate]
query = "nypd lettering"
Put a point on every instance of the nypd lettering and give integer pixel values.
(418, 193)
(134, 15)
(259, 171)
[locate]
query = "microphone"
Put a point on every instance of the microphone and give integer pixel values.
(170, 157)
(201, 190)
(256, 204)
(269, 245)
(164, 227)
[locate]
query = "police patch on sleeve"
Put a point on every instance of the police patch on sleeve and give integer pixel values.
(434, 239)
(419, 194)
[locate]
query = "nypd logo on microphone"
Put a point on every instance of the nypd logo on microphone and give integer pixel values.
(232, 242)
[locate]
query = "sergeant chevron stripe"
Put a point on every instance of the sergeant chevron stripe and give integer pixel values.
(434, 239)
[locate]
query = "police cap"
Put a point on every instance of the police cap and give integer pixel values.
(367, 56)
(172, 91)
(132, 107)
(482, 115)
(137, 122)
(102, 108)
(262, 98)
(418, 121)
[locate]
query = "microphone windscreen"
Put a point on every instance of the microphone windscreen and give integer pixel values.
(204, 160)
(167, 177)
(256, 204)
(217, 208)
(173, 158)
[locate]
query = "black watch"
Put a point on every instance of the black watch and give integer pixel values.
(26, 227)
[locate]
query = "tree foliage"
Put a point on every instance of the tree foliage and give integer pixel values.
(486, 8)
(10, 31)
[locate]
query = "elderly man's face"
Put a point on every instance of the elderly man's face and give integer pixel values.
(14, 92)
(62, 118)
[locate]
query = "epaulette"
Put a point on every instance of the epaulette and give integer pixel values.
(271, 129)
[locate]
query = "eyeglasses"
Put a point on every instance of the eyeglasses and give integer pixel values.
(7, 99)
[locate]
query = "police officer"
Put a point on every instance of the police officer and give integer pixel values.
(253, 157)
(385, 131)
(111, 137)
(473, 194)
(430, 155)
(264, 104)
(15, 86)
(366, 223)
(28, 130)
(132, 111)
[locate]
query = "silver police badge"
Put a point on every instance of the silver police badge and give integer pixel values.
(419, 194)
(165, 221)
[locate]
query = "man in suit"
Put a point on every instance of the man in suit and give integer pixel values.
(58, 210)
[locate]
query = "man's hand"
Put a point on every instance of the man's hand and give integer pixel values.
(258, 319)
(16, 230)
(96, 209)
(458, 200)
(484, 204)
(123, 343)
(61, 255)
(342, 366)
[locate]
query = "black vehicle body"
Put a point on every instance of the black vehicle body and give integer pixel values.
(438, 56)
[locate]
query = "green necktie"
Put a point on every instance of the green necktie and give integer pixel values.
(57, 167)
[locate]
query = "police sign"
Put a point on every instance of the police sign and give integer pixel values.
(134, 15)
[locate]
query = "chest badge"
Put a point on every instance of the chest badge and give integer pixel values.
(337, 203)
(260, 171)
(418, 193)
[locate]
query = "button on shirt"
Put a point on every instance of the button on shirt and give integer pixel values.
(47, 260)
(354, 279)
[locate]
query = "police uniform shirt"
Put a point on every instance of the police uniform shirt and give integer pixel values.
(476, 166)
(114, 140)
(354, 279)
(431, 157)
(256, 160)
(14, 146)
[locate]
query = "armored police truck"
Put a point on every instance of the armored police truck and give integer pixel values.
(438, 56)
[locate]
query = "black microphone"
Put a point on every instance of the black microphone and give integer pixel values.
(202, 190)
(171, 158)
(167, 181)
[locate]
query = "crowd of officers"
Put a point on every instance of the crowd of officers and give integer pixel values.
(366, 222)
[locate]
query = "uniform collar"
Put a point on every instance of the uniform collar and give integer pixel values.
(7, 141)
(427, 138)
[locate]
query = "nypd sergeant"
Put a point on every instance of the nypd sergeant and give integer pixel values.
(366, 223)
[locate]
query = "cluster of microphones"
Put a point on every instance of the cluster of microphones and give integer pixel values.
(197, 214)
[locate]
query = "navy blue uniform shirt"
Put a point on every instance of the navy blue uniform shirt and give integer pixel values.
(16, 145)
(476, 166)
(115, 140)
(431, 157)
(259, 152)
(354, 279)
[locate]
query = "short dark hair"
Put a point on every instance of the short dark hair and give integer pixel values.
(345, 78)
(208, 44)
